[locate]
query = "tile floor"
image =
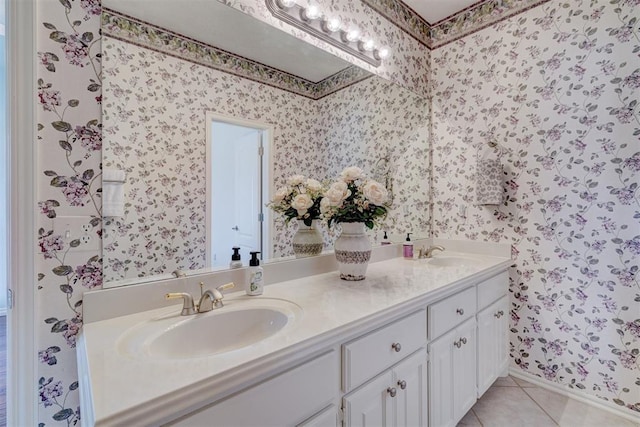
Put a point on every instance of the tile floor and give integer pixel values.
(514, 402)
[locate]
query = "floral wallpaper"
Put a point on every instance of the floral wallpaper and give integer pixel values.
(154, 126)
(557, 87)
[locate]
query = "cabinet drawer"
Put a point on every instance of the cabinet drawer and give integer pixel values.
(450, 312)
(492, 289)
(365, 357)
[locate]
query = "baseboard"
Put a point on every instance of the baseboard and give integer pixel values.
(577, 395)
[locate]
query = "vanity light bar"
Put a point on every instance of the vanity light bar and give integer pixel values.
(309, 17)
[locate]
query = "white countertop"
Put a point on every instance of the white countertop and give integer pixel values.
(125, 388)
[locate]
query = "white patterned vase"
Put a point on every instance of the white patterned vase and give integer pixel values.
(353, 251)
(307, 241)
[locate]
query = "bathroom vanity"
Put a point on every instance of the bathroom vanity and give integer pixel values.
(416, 343)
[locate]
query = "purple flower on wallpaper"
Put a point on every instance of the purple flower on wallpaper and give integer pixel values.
(76, 192)
(90, 274)
(625, 195)
(632, 80)
(633, 328)
(47, 208)
(556, 275)
(633, 162)
(49, 99)
(632, 245)
(598, 246)
(624, 33)
(76, 51)
(582, 371)
(626, 277)
(599, 324)
(49, 391)
(92, 7)
(528, 343)
(628, 359)
(550, 372)
(48, 356)
(90, 136)
(624, 115)
(580, 295)
(565, 327)
(556, 347)
(73, 327)
(609, 304)
(50, 244)
(611, 385)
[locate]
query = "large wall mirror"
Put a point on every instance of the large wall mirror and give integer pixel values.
(174, 69)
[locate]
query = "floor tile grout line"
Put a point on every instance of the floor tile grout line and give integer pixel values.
(540, 406)
(477, 417)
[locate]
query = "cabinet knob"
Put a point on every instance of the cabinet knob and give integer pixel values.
(402, 384)
(463, 340)
(460, 311)
(396, 346)
(392, 391)
(458, 343)
(499, 314)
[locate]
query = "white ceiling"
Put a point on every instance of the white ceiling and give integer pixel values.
(436, 10)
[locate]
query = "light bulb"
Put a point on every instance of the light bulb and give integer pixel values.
(311, 12)
(331, 24)
(286, 4)
(382, 53)
(352, 34)
(366, 45)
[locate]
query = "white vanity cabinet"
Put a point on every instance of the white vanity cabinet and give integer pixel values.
(398, 397)
(287, 399)
(466, 360)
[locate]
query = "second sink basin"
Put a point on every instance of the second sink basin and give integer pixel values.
(240, 323)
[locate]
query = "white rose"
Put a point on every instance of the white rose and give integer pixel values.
(281, 194)
(301, 203)
(325, 206)
(375, 192)
(351, 174)
(295, 180)
(337, 193)
(313, 184)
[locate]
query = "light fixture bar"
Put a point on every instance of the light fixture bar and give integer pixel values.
(311, 20)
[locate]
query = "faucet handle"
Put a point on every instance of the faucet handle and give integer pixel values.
(187, 306)
(226, 286)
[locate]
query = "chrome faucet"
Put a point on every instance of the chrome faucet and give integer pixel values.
(212, 298)
(179, 273)
(209, 299)
(428, 252)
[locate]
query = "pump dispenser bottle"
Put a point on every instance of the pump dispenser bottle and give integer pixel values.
(407, 247)
(385, 239)
(256, 284)
(235, 258)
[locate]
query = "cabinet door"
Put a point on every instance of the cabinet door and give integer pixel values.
(371, 405)
(328, 417)
(492, 343)
(410, 379)
(464, 369)
(441, 380)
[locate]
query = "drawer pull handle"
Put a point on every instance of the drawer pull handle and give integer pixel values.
(499, 314)
(392, 391)
(396, 346)
(460, 311)
(402, 384)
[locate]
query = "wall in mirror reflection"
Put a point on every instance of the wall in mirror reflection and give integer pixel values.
(154, 114)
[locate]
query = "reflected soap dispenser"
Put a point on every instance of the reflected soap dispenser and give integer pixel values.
(256, 283)
(407, 247)
(385, 239)
(236, 262)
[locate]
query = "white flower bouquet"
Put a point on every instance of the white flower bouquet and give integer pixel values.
(299, 199)
(355, 198)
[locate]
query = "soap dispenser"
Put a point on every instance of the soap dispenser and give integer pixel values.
(256, 284)
(407, 247)
(235, 258)
(385, 239)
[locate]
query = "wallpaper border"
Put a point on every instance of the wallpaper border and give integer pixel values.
(128, 29)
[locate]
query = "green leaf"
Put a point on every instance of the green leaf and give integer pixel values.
(65, 145)
(59, 181)
(61, 126)
(49, 26)
(73, 386)
(93, 87)
(58, 36)
(50, 320)
(50, 173)
(67, 289)
(88, 174)
(75, 243)
(62, 270)
(87, 37)
(60, 326)
(66, 4)
(68, 412)
(73, 103)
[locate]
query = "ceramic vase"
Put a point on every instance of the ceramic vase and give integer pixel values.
(353, 251)
(307, 241)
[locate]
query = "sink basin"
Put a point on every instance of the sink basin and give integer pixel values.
(237, 325)
(452, 261)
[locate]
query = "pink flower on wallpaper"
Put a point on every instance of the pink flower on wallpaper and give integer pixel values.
(550, 372)
(90, 136)
(624, 115)
(76, 51)
(72, 329)
(556, 347)
(49, 245)
(49, 99)
(633, 80)
(49, 391)
(76, 192)
(633, 162)
(90, 274)
(556, 275)
(92, 7)
(582, 371)
(628, 359)
(633, 328)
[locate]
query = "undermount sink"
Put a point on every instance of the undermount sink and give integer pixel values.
(451, 261)
(239, 324)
